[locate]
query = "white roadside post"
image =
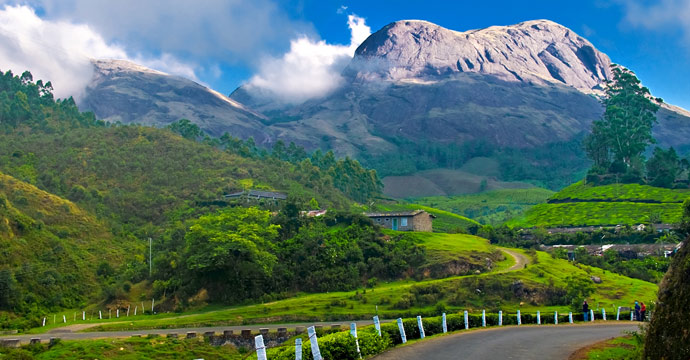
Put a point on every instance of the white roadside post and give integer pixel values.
(117, 313)
(377, 324)
(519, 320)
(500, 318)
(538, 318)
(444, 324)
(591, 312)
(618, 314)
(353, 332)
(603, 314)
(153, 301)
(135, 309)
(128, 306)
(555, 317)
(64, 319)
(44, 321)
(260, 348)
(421, 327)
(316, 353)
(483, 318)
(298, 349)
(467, 322)
(631, 315)
(570, 317)
(100, 316)
(83, 315)
(402, 331)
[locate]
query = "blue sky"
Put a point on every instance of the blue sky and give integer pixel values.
(225, 43)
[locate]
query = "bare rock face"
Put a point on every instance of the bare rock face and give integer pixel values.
(130, 93)
(539, 51)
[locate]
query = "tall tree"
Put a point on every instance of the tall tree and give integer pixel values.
(625, 129)
(663, 167)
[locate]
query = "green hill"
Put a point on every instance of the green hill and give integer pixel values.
(50, 250)
(616, 204)
(490, 207)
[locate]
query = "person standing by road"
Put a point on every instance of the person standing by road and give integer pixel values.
(643, 311)
(585, 310)
(637, 311)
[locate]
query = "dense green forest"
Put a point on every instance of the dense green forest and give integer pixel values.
(127, 183)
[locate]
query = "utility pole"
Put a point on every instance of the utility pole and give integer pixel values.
(150, 265)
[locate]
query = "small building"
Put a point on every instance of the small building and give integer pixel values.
(417, 220)
(257, 195)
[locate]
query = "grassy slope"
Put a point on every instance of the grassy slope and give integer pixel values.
(457, 293)
(491, 207)
(581, 205)
(445, 221)
(51, 245)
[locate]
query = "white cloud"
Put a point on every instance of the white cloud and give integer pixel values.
(231, 31)
(663, 14)
(311, 68)
(60, 51)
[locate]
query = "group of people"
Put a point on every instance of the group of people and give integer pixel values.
(640, 311)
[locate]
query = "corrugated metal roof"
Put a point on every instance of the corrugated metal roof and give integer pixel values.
(258, 194)
(394, 213)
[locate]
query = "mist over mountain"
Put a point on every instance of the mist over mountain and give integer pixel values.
(415, 96)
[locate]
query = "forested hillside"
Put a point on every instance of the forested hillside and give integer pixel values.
(77, 188)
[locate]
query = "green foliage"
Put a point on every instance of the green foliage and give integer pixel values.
(625, 130)
(651, 268)
(132, 348)
(186, 129)
(663, 167)
(229, 252)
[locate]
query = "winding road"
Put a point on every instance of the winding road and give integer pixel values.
(532, 342)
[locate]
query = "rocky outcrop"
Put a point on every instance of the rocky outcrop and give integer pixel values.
(539, 51)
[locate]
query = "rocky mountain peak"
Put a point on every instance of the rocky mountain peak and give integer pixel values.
(532, 51)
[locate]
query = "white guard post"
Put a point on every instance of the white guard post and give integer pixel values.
(421, 327)
(316, 353)
(445, 326)
(555, 317)
(402, 331)
(467, 321)
(591, 313)
(298, 349)
(260, 348)
(353, 332)
(570, 317)
(538, 318)
(377, 324)
(618, 314)
(603, 314)
(500, 318)
(519, 320)
(483, 318)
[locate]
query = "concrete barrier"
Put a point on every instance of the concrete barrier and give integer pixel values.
(282, 332)
(9, 343)
(227, 333)
(208, 334)
(191, 335)
(263, 332)
(34, 341)
(246, 333)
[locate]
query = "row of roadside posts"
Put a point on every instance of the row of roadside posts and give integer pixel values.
(316, 353)
(100, 314)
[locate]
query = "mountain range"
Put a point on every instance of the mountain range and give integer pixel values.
(416, 97)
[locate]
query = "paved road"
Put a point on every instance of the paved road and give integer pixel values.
(68, 335)
(514, 342)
